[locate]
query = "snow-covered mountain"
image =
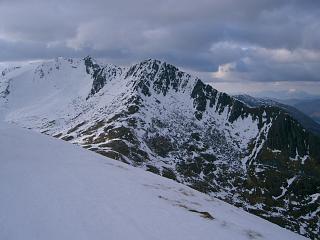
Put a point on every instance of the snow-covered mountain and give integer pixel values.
(154, 116)
(50, 189)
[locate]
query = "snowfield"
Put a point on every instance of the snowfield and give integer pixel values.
(50, 189)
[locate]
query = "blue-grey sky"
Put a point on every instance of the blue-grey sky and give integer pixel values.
(245, 45)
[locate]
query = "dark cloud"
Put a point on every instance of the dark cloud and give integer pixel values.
(249, 40)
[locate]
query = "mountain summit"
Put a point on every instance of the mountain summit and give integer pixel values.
(154, 116)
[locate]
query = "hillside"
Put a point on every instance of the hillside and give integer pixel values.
(50, 189)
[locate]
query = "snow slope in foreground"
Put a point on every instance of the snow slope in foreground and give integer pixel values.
(50, 189)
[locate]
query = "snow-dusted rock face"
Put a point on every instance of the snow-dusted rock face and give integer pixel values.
(154, 116)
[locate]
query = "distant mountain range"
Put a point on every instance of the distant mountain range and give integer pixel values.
(307, 103)
(286, 95)
(301, 110)
(310, 107)
(264, 158)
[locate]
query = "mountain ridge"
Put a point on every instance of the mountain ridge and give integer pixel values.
(154, 116)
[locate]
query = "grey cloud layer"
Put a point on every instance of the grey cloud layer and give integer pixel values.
(266, 40)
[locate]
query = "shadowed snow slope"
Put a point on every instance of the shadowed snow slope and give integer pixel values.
(50, 189)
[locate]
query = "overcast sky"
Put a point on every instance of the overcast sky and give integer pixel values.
(247, 45)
